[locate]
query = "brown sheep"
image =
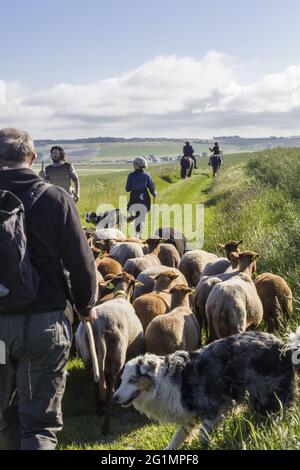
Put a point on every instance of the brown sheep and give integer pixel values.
(230, 247)
(107, 265)
(146, 279)
(276, 297)
(178, 330)
(169, 255)
(158, 302)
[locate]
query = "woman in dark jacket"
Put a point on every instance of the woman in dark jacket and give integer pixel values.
(138, 184)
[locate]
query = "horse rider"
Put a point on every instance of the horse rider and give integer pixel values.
(188, 151)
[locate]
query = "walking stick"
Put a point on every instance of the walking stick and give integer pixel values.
(93, 352)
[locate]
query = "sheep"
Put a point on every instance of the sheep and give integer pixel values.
(105, 289)
(126, 250)
(118, 335)
(206, 284)
(221, 265)
(110, 234)
(108, 265)
(173, 237)
(169, 255)
(146, 279)
(158, 302)
(233, 305)
(276, 297)
(136, 265)
(193, 263)
(178, 330)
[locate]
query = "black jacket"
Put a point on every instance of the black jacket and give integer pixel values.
(188, 151)
(55, 237)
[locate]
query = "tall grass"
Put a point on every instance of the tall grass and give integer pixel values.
(255, 203)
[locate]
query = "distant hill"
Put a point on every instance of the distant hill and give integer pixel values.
(236, 141)
(104, 140)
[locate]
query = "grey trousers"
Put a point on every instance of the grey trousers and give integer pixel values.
(32, 380)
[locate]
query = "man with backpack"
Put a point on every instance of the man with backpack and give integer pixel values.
(40, 235)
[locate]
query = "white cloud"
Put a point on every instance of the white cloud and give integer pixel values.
(168, 96)
(2, 92)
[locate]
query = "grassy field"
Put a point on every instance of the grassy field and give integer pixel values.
(265, 213)
(255, 199)
(122, 151)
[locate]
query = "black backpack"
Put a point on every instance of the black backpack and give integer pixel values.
(19, 280)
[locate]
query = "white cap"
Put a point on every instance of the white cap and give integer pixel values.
(141, 162)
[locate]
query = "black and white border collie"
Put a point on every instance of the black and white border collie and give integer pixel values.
(198, 388)
(108, 219)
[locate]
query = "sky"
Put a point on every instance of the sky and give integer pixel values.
(167, 68)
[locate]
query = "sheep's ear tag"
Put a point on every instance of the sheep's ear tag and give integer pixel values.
(138, 283)
(110, 285)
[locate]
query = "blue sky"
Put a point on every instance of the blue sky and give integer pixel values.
(81, 43)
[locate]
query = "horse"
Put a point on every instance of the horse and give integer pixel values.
(187, 167)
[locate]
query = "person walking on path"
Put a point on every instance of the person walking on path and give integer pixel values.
(139, 183)
(40, 235)
(61, 173)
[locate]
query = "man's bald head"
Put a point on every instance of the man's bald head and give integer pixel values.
(16, 148)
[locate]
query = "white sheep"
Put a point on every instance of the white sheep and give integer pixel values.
(109, 234)
(234, 305)
(193, 263)
(126, 250)
(206, 284)
(118, 335)
(137, 265)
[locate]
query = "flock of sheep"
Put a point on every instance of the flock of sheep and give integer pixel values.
(157, 297)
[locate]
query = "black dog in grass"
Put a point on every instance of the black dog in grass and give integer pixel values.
(109, 219)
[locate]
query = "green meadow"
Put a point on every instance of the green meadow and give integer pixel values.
(256, 198)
